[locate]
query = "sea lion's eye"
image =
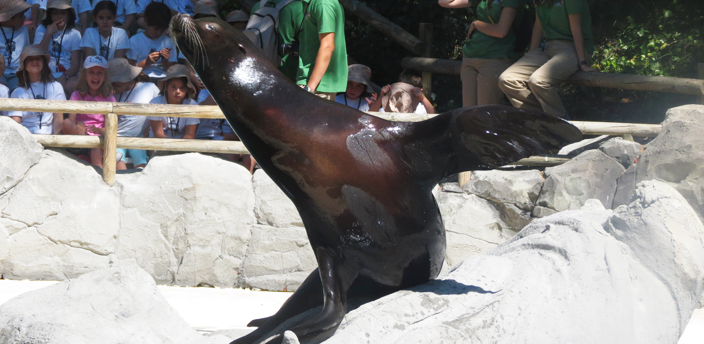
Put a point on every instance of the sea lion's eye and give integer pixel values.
(211, 27)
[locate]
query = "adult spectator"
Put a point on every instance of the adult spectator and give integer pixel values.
(490, 40)
(14, 38)
(35, 82)
(530, 82)
(59, 38)
(289, 27)
(237, 19)
(105, 39)
(358, 88)
(176, 88)
(323, 52)
(152, 49)
(131, 86)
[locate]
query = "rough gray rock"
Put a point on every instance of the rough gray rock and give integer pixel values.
(515, 187)
(625, 152)
(625, 187)
(114, 305)
(19, 152)
(272, 207)
(562, 279)
(278, 258)
(591, 174)
(186, 219)
(582, 146)
(676, 156)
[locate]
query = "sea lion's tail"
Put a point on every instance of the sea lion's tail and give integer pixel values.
(486, 137)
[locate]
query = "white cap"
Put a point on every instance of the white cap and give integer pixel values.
(95, 61)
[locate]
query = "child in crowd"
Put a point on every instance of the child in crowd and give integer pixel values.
(4, 90)
(237, 19)
(176, 88)
(126, 14)
(405, 96)
(92, 86)
(14, 38)
(152, 49)
(35, 82)
(57, 36)
(105, 40)
(358, 88)
(131, 86)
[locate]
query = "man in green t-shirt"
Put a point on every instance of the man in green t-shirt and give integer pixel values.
(323, 53)
(290, 20)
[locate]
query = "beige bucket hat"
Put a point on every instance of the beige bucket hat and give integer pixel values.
(361, 74)
(8, 8)
(59, 5)
(179, 71)
(32, 50)
(206, 7)
(120, 70)
(400, 99)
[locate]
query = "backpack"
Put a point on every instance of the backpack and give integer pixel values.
(262, 29)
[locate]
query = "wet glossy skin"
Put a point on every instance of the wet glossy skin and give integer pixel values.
(361, 184)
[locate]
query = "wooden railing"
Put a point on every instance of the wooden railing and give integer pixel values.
(110, 141)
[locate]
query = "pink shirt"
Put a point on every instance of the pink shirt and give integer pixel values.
(96, 120)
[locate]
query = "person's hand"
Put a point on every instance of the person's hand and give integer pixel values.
(154, 56)
(80, 128)
(371, 100)
(586, 68)
(52, 28)
(166, 53)
(471, 29)
(418, 93)
(95, 130)
(386, 89)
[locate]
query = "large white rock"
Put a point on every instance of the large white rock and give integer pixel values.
(676, 156)
(19, 151)
(63, 221)
(109, 306)
(272, 207)
(562, 279)
(520, 188)
(186, 219)
(278, 258)
(591, 174)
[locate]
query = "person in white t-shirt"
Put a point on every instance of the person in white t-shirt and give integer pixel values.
(176, 88)
(359, 93)
(126, 13)
(152, 49)
(105, 40)
(82, 8)
(131, 86)
(62, 42)
(14, 38)
(35, 82)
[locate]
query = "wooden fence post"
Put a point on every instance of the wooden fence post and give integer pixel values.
(110, 149)
(425, 32)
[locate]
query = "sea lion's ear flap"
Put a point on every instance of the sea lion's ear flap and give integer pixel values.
(242, 49)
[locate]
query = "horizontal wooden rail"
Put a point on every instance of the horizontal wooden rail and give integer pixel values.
(594, 79)
(177, 145)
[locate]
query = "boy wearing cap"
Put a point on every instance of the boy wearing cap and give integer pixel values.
(358, 88)
(14, 38)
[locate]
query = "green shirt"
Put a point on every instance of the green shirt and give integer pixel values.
(483, 46)
(556, 23)
(290, 19)
(323, 16)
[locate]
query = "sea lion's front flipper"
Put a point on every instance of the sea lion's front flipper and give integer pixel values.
(486, 137)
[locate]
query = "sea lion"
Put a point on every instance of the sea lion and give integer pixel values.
(361, 184)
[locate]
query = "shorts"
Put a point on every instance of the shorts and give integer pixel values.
(139, 156)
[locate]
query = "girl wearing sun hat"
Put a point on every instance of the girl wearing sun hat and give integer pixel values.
(58, 37)
(14, 38)
(35, 82)
(176, 88)
(131, 86)
(92, 86)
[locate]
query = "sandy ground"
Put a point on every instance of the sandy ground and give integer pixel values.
(214, 309)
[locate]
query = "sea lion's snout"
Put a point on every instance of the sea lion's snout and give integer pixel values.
(184, 32)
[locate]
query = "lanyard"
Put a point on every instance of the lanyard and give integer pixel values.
(9, 45)
(359, 103)
(174, 128)
(128, 94)
(61, 42)
(41, 96)
(100, 40)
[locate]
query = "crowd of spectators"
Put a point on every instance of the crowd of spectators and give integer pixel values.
(119, 51)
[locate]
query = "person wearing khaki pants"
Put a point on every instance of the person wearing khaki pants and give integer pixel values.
(486, 51)
(531, 82)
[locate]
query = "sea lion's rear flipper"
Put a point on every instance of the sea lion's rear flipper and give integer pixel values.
(486, 137)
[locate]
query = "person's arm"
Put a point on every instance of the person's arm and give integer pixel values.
(537, 37)
(190, 131)
(454, 3)
(75, 63)
(500, 29)
(17, 119)
(377, 103)
(58, 122)
(120, 53)
(48, 35)
(129, 20)
(322, 59)
(141, 23)
(151, 58)
(158, 129)
(429, 108)
(576, 28)
(83, 17)
(88, 51)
